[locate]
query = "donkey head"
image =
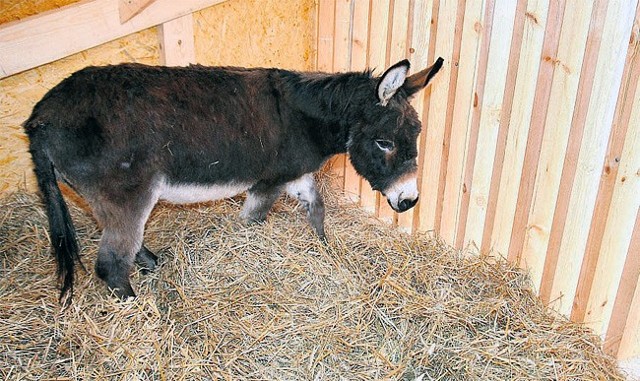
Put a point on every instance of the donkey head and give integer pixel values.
(383, 145)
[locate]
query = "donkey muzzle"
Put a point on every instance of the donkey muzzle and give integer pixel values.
(403, 194)
(404, 204)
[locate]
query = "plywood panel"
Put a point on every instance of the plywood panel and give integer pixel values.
(20, 9)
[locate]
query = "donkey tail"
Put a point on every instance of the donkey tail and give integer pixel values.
(61, 231)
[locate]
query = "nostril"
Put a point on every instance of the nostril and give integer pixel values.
(407, 204)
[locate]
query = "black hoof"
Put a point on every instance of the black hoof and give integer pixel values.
(146, 260)
(123, 293)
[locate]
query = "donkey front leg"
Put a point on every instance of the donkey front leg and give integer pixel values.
(304, 189)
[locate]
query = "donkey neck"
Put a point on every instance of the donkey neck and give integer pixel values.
(331, 102)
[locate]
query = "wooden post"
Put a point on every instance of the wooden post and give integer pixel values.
(177, 46)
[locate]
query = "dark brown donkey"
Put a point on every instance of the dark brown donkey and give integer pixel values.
(126, 136)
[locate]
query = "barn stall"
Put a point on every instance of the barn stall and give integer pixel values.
(526, 160)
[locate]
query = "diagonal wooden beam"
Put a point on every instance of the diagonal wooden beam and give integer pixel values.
(130, 8)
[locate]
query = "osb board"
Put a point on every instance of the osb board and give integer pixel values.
(238, 32)
(20, 92)
(11, 10)
(265, 33)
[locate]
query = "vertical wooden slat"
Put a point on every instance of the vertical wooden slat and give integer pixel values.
(341, 64)
(448, 125)
(623, 335)
(490, 117)
(478, 96)
(378, 31)
(436, 117)
(616, 238)
(471, 37)
(608, 180)
(504, 126)
(359, 37)
(504, 200)
(546, 147)
(397, 51)
(177, 46)
(586, 154)
(326, 26)
(567, 170)
(419, 56)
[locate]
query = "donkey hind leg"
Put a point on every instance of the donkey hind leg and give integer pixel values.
(304, 189)
(146, 260)
(259, 201)
(121, 242)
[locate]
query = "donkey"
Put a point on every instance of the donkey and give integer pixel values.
(126, 136)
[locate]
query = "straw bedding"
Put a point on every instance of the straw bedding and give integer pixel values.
(270, 302)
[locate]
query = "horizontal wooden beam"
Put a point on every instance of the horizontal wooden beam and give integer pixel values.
(52, 35)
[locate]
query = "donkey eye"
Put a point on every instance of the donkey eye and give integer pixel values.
(385, 145)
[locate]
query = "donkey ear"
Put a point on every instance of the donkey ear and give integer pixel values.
(421, 79)
(391, 81)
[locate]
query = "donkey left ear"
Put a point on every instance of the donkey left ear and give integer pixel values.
(421, 79)
(391, 81)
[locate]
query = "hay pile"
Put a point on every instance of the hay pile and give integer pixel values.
(270, 302)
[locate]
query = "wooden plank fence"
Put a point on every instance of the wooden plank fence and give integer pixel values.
(531, 138)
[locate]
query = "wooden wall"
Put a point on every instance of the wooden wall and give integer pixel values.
(278, 33)
(531, 138)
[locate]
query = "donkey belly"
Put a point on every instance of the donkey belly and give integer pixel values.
(191, 193)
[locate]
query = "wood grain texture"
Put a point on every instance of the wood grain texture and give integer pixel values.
(473, 28)
(128, 9)
(435, 121)
(177, 46)
(589, 155)
(49, 36)
(546, 148)
(504, 199)
(490, 114)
